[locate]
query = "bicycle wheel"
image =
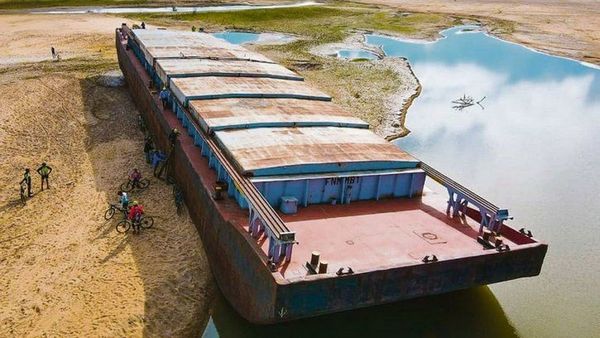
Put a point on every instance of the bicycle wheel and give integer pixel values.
(143, 184)
(123, 226)
(109, 213)
(127, 186)
(146, 222)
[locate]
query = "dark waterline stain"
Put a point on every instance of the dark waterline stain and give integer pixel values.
(469, 313)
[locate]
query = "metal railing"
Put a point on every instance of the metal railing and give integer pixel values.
(459, 197)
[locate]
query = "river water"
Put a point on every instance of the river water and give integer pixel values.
(530, 147)
(169, 9)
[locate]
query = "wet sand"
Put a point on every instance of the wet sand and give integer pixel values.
(64, 270)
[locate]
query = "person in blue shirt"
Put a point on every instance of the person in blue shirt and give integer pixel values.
(164, 97)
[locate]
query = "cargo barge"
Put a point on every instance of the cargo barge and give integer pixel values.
(302, 210)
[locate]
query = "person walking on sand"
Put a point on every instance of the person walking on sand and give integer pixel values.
(27, 180)
(44, 172)
(164, 97)
(53, 52)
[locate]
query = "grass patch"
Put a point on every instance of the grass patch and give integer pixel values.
(23, 4)
(360, 87)
(321, 24)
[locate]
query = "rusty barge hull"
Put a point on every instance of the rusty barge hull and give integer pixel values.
(240, 262)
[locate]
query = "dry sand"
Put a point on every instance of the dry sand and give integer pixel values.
(563, 27)
(64, 270)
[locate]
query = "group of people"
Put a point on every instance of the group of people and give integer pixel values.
(44, 171)
(157, 158)
(134, 212)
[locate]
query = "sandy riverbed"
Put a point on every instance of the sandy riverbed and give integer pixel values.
(64, 270)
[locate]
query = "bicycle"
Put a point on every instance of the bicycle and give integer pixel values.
(178, 197)
(110, 212)
(141, 185)
(145, 222)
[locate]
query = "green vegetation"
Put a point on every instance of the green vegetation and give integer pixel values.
(322, 24)
(23, 4)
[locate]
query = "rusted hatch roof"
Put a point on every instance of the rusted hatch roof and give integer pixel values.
(157, 43)
(214, 87)
(285, 151)
(173, 68)
(234, 113)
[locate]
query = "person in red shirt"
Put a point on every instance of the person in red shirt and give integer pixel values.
(135, 177)
(135, 215)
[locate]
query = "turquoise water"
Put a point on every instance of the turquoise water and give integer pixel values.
(238, 38)
(531, 148)
(356, 54)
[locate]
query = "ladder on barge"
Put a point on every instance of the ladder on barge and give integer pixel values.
(459, 197)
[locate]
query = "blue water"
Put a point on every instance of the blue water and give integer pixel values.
(356, 54)
(238, 38)
(532, 148)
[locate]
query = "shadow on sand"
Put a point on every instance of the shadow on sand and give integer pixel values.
(176, 289)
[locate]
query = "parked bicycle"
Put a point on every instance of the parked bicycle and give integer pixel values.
(144, 222)
(129, 185)
(112, 209)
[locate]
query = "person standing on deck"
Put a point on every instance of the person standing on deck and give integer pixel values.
(44, 172)
(164, 97)
(27, 180)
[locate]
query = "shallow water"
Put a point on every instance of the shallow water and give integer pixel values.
(356, 54)
(170, 9)
(238, 38)
(531, 148)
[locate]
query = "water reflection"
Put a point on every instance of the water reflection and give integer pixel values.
(533, 149)
(237, 38)
(470, 313)
(169, 9)
(240, 38)
(356, 54)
